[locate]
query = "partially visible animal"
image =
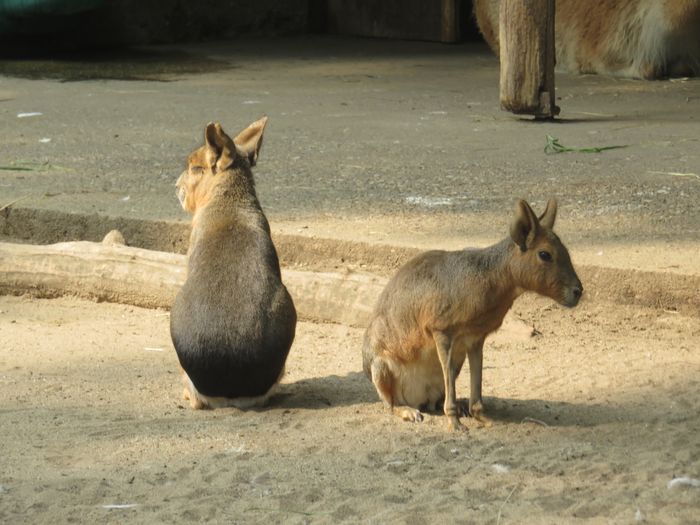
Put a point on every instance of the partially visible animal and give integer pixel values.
(647, 39)
(233, 321)
(440, 306)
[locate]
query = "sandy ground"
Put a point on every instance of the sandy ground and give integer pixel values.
(594, 417)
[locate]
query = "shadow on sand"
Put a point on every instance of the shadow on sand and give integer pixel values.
(324, 392)
(318, 393)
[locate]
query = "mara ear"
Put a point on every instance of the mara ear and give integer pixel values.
(220, 148)
(525, 226)
(550, 214)
(249, 141)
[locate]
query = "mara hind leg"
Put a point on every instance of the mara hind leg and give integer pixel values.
(386, 383)
(190, 393)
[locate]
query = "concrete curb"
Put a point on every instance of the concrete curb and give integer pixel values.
(668, 291)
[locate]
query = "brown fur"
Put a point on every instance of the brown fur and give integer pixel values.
(233, 322)
(439, 307)
(631, 38)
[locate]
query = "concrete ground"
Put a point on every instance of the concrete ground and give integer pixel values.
(389, 142)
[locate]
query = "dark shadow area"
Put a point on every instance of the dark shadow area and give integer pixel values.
(68, 62)
(354, 389)
(87, 23)
(542, 412)
(557, 413)
(70, 65)
(334, 391)
(325, 392)
(640, 117)
(569, 120)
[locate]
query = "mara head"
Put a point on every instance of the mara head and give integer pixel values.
(542, 263)
(219, 154)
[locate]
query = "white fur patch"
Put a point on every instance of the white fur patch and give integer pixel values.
(422, 381)
(650, 51)
(242, 403)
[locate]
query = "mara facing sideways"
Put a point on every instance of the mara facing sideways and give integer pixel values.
(439, 307)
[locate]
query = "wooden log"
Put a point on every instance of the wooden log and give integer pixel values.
(110, 271)
(113, 272)
(526, 29)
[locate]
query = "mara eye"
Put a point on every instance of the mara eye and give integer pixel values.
(545, 256)
(196, 170)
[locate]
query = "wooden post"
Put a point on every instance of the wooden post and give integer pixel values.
(526, 34)
(449, 21)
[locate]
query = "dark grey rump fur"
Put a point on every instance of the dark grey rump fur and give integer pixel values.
(233, 322)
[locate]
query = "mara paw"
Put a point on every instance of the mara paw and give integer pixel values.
(455, 425)
(410, 414)
(477, 412)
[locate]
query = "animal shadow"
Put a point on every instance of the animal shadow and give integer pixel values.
(323, 392)
(554, 413)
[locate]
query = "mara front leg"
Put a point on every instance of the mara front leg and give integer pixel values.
(475, 355)
(451, 365)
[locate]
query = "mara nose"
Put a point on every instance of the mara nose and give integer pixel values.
(578, 291)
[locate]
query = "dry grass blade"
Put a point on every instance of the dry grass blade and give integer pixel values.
(12, 203)
(533, 420)
(498, 518)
